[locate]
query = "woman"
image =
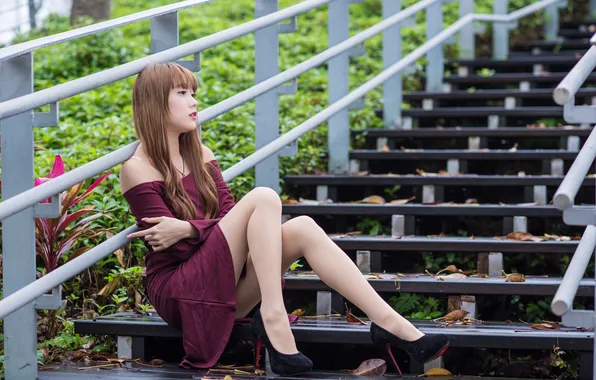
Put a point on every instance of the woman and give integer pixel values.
(211, 260)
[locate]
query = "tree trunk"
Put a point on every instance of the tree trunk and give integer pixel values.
(96, 9)
(32, 13)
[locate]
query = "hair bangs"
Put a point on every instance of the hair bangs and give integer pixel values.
(183, 78)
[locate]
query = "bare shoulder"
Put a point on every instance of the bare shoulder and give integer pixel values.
(207, 154)
(137, 170)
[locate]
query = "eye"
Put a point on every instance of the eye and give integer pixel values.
(182, 92)
(193, 94)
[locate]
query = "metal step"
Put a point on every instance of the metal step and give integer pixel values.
(463, 132)
(490, 94)
(445, 209)
(393, 283)
(512, 78)
(462, 154)
(437, 180)
(451, 244)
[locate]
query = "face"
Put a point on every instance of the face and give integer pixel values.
(183, 110)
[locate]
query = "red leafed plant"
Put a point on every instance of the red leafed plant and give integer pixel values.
(55, 236)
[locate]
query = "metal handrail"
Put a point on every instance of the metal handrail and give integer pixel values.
(563, 299)
(564, 94)
(29, 46)
(28, 293)
(75, 87)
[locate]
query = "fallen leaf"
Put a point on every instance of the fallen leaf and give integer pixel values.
(308, 202)
(456, 315)
(515, 277)
(351, 318)
(437, 372)
(157, 362)
(545, 326)
(401, 201)
(290, 201)
(449, 268)
(373, 199)
(523, 236)
(371, 367)
(298, 312)
(454, 275)
(514, 149)
(385, 148)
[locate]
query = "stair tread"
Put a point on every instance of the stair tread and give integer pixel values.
(515, 61)
(422, 283)
(517, 77)
(429, 154)
(483, 111)
(416, 179)
(492, 94)
(444, 209)
(452, 244)
(475, 131)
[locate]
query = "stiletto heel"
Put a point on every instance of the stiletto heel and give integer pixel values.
(422, 350)
(388, 347)
(281, 364)
(258, 346)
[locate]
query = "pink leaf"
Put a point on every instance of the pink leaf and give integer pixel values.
(91, 188)
(58, 168)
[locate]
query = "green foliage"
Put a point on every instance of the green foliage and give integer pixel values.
(418, 306)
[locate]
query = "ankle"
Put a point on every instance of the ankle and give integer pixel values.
(400, 327)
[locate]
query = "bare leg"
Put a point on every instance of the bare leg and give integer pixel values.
(255, 223)
(303, 237)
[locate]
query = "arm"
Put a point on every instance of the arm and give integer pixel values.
(138, 183)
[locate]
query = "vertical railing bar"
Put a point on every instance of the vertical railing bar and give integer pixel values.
(392, 51)
(267, 104)
(18, 231)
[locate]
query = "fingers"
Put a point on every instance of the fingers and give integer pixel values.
(140, 233)
(157, 219)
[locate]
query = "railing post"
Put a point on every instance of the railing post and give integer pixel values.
(500, 31)
(435, 65)
(392, 51)
(551, 28)
(338, 137)
(467, 43)
(592, 8)
(267, 104)
(18, 231)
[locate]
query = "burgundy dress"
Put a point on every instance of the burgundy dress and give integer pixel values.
(191, 284)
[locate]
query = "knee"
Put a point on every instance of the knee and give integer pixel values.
(301, 226)
(265, 196)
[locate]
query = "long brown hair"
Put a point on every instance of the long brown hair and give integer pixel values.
(151, 113)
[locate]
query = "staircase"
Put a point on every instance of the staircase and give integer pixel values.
(469, 176)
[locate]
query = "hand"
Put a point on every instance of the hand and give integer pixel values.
(167, 232)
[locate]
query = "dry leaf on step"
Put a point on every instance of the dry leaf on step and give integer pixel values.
(450, 268)
(298, 312)
(545, 326)
(385, 148)
(308, 202)
(373, 199)
(523, 236)
(454, 275)
(289, 202)
(514, 149)
(156, 362)
(401, 201)
(456, 315)
(515, 277)
(437, 372)
(351, 318)
(371, 367)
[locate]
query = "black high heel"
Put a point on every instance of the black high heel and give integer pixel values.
(423, 350)
(281, 364)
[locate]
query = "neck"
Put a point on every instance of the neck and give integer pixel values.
(174, 147)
